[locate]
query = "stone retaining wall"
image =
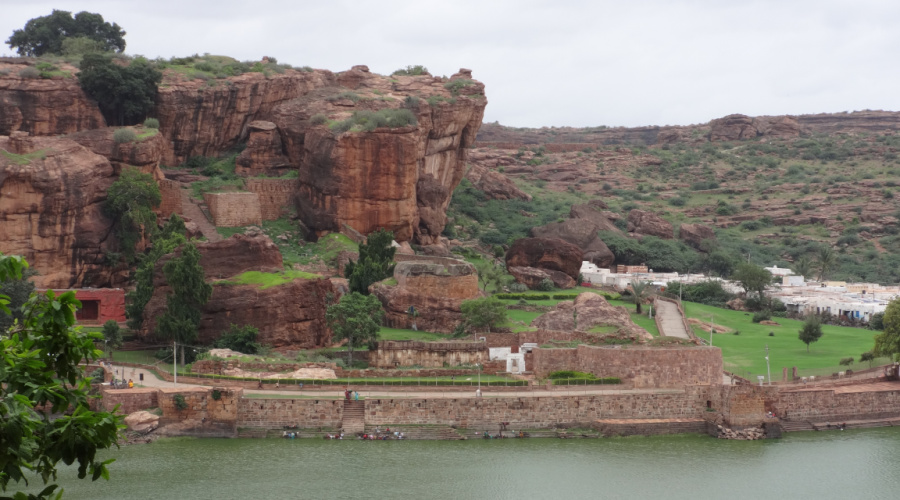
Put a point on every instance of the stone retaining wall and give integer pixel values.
(171, 198)
(273, 195)
(234, 209)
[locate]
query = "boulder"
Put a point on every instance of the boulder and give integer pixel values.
(595, 211)
(435, 287)
(546, 253)
(590, 310)
(145, 154)
(52, 192)
(495, 185)
(264, 152)
(581, 233)
(142, 422)
(532, 277)
(694, 234)
(732, 128)
(643, 223)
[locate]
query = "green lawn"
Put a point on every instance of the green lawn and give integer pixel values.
(745, 353)
(267, 280)
(400, 334)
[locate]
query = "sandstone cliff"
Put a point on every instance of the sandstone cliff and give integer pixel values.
(51, 196)
(44, 106)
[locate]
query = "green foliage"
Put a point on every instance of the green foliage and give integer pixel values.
(640, 293)
(846, 361)
(367, 121)
(129, 203)
(546, 285)
(416, 70)
(356, 319)
(46, 34)
(752, 278)
(125, 94)
(318, 119)
(239, 338)
(887, 343)
(179, 402)
(876, 322)
(124, 135)
(811, 330)
(16, 290)
(151, 123)
(411, 102)
(707, 292)
(189, 292)
(41, 357)
(760, 316)
(170, 237)
(375, 263)
(81, 45)
(659, 254)
(867, 357)
(348, 95)
(454, 86)
(489, 274)
(487, 312)
(112, 335)
(30, 73)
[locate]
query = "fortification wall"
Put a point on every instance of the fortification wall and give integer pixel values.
(644, 367)
(277, 413)
(234, 209)
(274, 195)
(829, 405)
(128, 400)
(171, 198)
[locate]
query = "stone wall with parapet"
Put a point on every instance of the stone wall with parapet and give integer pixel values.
(274, 195)
(171, 198)
(204, 414)
(128, 400)
(645, 367)
(234, 209)
(278, 413)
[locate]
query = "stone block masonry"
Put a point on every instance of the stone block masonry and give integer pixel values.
(171, 198)
(234, 209)
(274, 195)
(128, 400)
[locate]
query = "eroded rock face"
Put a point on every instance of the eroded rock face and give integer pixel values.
(643, 223)
(532, 277)
(264, 153)
(546, 253)
(694, 234)
(51, 196)
(581, 233)
(435, 287)
(144, 154)
(738, 127)
(590, 310)
(44, 106)
(238, 254)
(595, 211)
(495, 185)
(142, 422)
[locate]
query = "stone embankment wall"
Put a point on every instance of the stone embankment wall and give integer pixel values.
(274, 195)
(390, 354)
(643, 366)
(128, 401)
(277, 413)
(234, 209)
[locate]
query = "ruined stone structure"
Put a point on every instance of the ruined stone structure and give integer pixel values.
(391, 354)
(234, 209)
(275, 195)
(170, 192)
(98, 305)
(645, 367)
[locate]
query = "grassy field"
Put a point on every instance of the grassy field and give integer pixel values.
(400, 334)
(267, 280)
(745, 353)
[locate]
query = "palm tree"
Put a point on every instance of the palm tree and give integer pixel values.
(827, 260)
(640, 292)
(803, 266)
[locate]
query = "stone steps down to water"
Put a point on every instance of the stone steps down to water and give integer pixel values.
(806, 425)
(650, 427)
(354, 418)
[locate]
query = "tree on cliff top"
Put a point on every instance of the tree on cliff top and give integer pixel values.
(887, 343)
(42, 376)
(355, 318)
(375, 263)
(46, 34)
(190, 292)
(124, 94)
(129, 203)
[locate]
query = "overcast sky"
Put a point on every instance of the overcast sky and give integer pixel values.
(556, 62)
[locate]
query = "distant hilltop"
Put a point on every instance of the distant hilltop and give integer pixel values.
(729, 128)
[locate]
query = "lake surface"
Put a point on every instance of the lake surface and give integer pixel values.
(820, 465)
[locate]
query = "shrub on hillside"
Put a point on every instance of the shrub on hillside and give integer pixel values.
(415, 70)
(760, 316)
(124, 135)
(546, 285)
(151, 123)
(368, 121)
(29, 73)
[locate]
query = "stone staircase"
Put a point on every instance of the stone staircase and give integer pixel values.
(806, 425)
(354, 419)
(192, 210)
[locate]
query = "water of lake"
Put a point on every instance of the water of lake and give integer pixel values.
(820, 465)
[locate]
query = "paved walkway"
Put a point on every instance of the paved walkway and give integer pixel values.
(150, 380)
(670, 320)
(191, 210)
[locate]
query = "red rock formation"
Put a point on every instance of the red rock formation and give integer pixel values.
(643, 223)
(142, 153)
(590, 310)
(694, 234)
(532, 277)
(545, 253)
(264, 153)
(732, 128)
(51, 195)
(232, 256)
(42, 106)
(435, 287)
(495, 185)
(594, 211)
(581, 233)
